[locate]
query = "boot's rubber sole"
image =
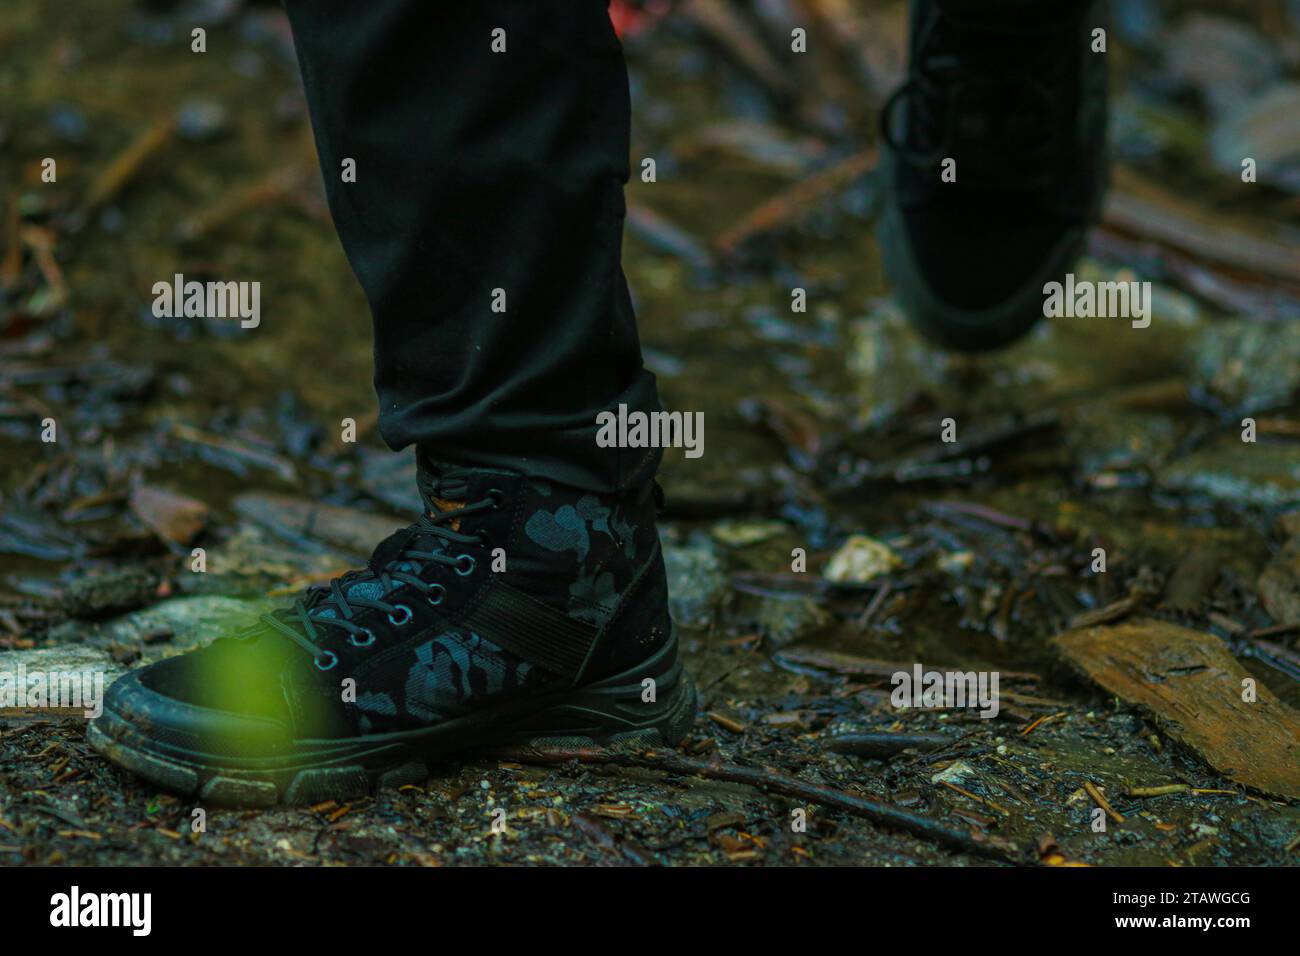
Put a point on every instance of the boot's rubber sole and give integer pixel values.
(609, 712)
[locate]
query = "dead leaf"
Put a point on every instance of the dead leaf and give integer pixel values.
(173, 517)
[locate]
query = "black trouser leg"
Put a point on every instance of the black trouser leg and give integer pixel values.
(479, 171)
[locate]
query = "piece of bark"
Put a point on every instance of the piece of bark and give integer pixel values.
(346, 528)
(1192, 686)
(1137, 206)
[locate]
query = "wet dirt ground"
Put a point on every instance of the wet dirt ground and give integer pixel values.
(821, 426)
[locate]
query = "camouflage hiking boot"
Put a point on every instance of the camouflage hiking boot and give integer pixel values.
(514, 611)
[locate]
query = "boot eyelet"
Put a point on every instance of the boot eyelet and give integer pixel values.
(465, 564)
(402, 618)
(436, 594)
(496, 496)
(364, 639)
(329, 656)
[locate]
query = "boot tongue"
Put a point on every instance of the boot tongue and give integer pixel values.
(437, 506)
(442, 496)
(443, 488)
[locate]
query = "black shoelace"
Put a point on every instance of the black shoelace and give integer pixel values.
(992, 96)
(404, 557)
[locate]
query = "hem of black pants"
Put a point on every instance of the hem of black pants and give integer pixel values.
(569, 456)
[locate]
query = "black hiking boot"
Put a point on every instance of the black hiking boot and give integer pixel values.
(1013, 92)
(514, 612)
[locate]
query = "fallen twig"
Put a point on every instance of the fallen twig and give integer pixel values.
(1041, 720)
(1280, 658)
(848, 42)
(995, 807)
(767, 780)
(884, 744)
(873, 607)
(850, 665)
(664, 235)
(794, 203)
(1108, 614)
(126, 164)
(732, 34)
(1161, 791)
(1102, 802)
(278, 185)
(237, 450)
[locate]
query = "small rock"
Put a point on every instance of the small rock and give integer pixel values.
(101, 595)
(1106, 439)
(190, 622)
(1248, 365)
(1268, 476)
(740, 534)
(955, 773)
(891, 364)
(956, 563)
(860, 559)
(201, 120)
(785, 620)
(62, 659)
(697, 582)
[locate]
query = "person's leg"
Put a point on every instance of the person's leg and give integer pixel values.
(485, 161)
(529, 603)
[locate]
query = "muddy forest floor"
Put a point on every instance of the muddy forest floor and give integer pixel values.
(823, 434)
